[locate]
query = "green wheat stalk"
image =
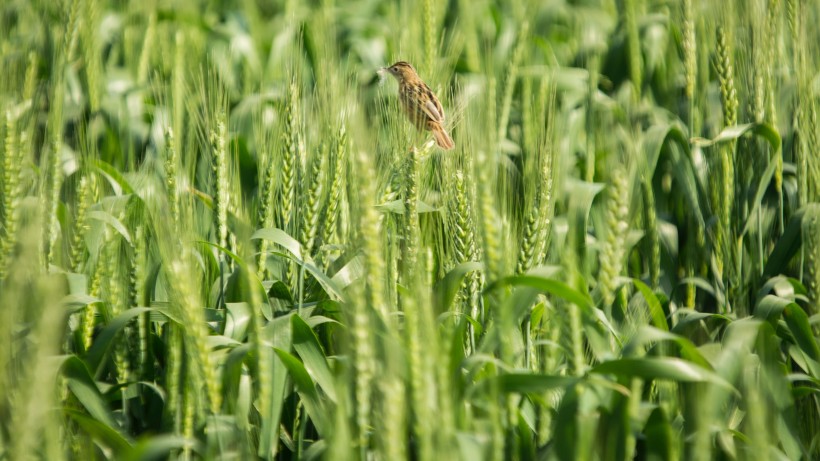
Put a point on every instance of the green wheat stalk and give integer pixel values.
(653, 246)
(630, 19)
(612, 253)
(313, 201)
(11, 192)
(337, 186)
(219, 159)
(92, 52)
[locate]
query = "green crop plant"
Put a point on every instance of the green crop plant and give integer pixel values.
(220, 238)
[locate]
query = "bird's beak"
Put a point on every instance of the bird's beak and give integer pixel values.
(381, 70)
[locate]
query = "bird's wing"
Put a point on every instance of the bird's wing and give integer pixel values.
(432, 107)
(432, 111)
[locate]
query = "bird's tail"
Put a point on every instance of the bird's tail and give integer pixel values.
(442, 138)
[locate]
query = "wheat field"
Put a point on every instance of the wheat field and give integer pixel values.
(220, 238)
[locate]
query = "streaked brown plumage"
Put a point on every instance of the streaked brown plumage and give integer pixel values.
(419, 103)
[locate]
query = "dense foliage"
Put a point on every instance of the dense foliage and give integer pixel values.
(221, 239)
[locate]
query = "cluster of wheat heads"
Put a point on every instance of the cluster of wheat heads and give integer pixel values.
(221, 239)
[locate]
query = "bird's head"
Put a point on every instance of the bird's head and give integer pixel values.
(401, 71)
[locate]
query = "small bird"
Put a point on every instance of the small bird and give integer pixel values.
(419, 103)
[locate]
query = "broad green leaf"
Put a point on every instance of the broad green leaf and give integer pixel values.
(159, 447)
(114, 177)
(798, 323)
(271, 416)
(111, 221)
(76, 303)
(237, 320)
(655, 310)
(656, 137)
(660, 436)
(329, 286)
(82, 385)
(771, 307)
(556, 288)
(789, 243)
(687, 317)
(765, 179)
(686, 178)
(783, 287)
(349, 273)
(306, 390)
(447, 288)
(471, 445)
(670, 368)
(647, 334)
(549, 285)
(103, 342)
(576, 423)
(581, 195)
(397, 207)
(699, 283)
(282, 238)
(281, 291)
(315, 320)
(315, 451)
(232, 368)
(523, 383)
(236, 258)
(306, 344)
(733, 133)
(102, 433)
(294, 253)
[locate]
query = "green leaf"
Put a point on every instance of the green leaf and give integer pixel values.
(349, 273)
(556, 288)
(447, 288)
(771, 307)
(115, 178)
(765, 179)
(523, 383)
(326, 282)
(548, 285)
(159, 447)
(282, 238)
(307, 391)
(294, 253)
(788, 243)
(655, 310)
(671, 368)
(581, 196)
(647, 334)
(111, 221)
(306, 344)
(83, 387)
(232, 370)
(102, 343)
(397, 207)
(78, 302)
(688, 317)
(733, 133)
(102, 434)
(280, 290)
(237, 320)
(271, 416)
(655, 139)
(659, 436)
(798, 323)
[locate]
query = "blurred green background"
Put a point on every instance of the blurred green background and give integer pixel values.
(221, 239)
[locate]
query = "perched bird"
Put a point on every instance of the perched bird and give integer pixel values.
(419, 103)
